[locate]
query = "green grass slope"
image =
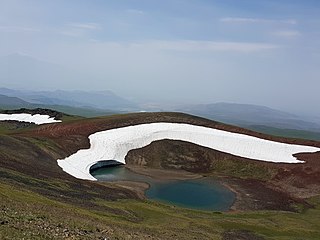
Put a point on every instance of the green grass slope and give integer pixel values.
(29, 215)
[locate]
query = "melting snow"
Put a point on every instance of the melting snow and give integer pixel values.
(114, 144)
(26, 117)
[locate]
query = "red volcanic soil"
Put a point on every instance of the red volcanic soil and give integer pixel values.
(286, 183)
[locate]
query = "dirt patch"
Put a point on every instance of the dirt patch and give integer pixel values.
(258, 195)
(137, 187)
(15, 125)
(240, 235)
(163, 174)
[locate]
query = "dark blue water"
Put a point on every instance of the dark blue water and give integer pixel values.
(203, 194)
(200, 194)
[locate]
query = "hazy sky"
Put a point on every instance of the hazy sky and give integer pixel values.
(247, 51)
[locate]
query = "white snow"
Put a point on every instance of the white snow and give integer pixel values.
(114, 144)
(26, 117)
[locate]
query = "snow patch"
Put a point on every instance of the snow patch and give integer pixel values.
(114, 144)
(26, 117)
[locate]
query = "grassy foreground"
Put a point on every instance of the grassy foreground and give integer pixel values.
(27, 215)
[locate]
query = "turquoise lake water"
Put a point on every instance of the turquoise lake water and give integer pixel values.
(203, 194)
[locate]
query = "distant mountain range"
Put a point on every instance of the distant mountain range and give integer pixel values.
(258, 118)
(23, 71)
(251, 116)
(10, 103)
(98, 99)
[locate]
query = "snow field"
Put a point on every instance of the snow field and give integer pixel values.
(25, 117)
(114, 144)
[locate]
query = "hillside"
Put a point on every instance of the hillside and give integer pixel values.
(39, 200)
(13, 102)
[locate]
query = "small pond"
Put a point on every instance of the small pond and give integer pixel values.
(202, 194)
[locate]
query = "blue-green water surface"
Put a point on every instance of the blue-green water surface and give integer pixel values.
(203, 194)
